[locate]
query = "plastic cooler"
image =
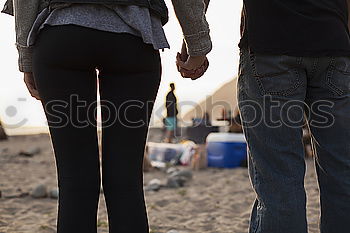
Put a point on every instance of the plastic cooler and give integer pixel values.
(226, 150)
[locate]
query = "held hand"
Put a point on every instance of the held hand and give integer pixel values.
(29, 81)
(193, 67)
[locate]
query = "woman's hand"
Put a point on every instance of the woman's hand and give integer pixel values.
(29, 81)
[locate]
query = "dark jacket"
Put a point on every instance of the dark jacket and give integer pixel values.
(171, 105)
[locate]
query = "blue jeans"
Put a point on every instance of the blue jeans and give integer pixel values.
(276, 94)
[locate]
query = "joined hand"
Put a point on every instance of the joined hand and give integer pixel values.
(190, 66)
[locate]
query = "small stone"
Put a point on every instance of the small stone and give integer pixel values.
(30, 152)
(154, 185)
(39, 192)
(162, 203)
(54, 193)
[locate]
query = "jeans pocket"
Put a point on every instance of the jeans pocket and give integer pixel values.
(338, 75)
(276, 75)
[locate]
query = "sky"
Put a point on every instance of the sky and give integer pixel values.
(18, 108)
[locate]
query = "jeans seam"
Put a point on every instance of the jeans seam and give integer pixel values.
(257, 222)
(256, 75)
(329, 76)
(314, 68)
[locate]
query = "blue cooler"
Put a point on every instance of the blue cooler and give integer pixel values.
(226, 150)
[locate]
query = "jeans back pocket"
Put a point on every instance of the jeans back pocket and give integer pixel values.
(276, 75)
(338, 75)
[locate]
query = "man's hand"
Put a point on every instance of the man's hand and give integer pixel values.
(29, 81)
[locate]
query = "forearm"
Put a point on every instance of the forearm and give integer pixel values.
(191, 16)
(25, 12)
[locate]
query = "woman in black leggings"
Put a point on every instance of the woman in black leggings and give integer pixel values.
(72, 60)
(66, 80)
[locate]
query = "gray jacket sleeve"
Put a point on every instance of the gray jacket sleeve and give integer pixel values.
(25, 12)
(190, 13)
(191, 16)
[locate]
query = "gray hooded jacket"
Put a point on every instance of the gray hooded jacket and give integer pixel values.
(190, 13)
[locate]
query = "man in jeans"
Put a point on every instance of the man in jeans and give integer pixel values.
(295, 59)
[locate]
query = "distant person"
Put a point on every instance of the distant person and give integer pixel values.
(61, 45)
(171, 114)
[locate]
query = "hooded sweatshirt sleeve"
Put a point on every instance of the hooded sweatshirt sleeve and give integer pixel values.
(191, 16)
(25, 13)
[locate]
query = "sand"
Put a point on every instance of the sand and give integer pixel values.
(216, 200)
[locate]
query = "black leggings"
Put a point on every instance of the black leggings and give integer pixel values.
(65, 60)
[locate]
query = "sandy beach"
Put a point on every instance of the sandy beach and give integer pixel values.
(214, 201)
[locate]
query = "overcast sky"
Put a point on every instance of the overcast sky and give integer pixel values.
(16, 105)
